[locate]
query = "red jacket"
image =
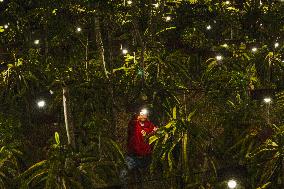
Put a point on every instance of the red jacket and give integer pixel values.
(136, 143)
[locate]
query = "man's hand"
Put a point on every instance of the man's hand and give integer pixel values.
(143, 133)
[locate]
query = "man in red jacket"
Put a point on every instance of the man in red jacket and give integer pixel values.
(138, 129)
(138, 149)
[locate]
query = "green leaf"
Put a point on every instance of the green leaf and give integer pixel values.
(190, 115)
(264, 186)
(170, 159)
(121, 68)
(170, 28)
(153, 139)
(3, 147)
(175, 112)
(33, 170)
(19, 62)
(56, 136)
(212, 63)
(117, 148)
(10, 65)
(169, 124)
(54, 11)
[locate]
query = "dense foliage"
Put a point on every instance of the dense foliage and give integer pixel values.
(202, 67)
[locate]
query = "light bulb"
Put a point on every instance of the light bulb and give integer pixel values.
(41, 103)
(276, 45)
(124, 51)
(129, 2)
(209, 27)
(254, 49)
(6, 26)
(227, 2)
(267, 99)
(219, 57)
(78, 29)
(36, 42)
(232, 184)
(168, 18)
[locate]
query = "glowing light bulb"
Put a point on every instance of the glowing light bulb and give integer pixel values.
(267, 99)
(276, 45)
(41, 103)
(78, 29)
(124, 51)
(254, 49)
(168, 18)
(209, 27)
(232, 184)
(129, 2)
(227, 2)
(36, 42)
(6, 26)
(225, 45)
(219, 57)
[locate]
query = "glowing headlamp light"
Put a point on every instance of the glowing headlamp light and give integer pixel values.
(144, 111)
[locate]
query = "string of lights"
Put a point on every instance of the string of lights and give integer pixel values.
(218, 57)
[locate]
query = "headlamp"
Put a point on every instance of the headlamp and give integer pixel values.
(144, 111)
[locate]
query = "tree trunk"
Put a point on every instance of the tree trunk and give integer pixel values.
(184, 160)
(111, 86)
(100, 44)
(68, 117)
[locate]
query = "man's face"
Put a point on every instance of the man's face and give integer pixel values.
(142, 118)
